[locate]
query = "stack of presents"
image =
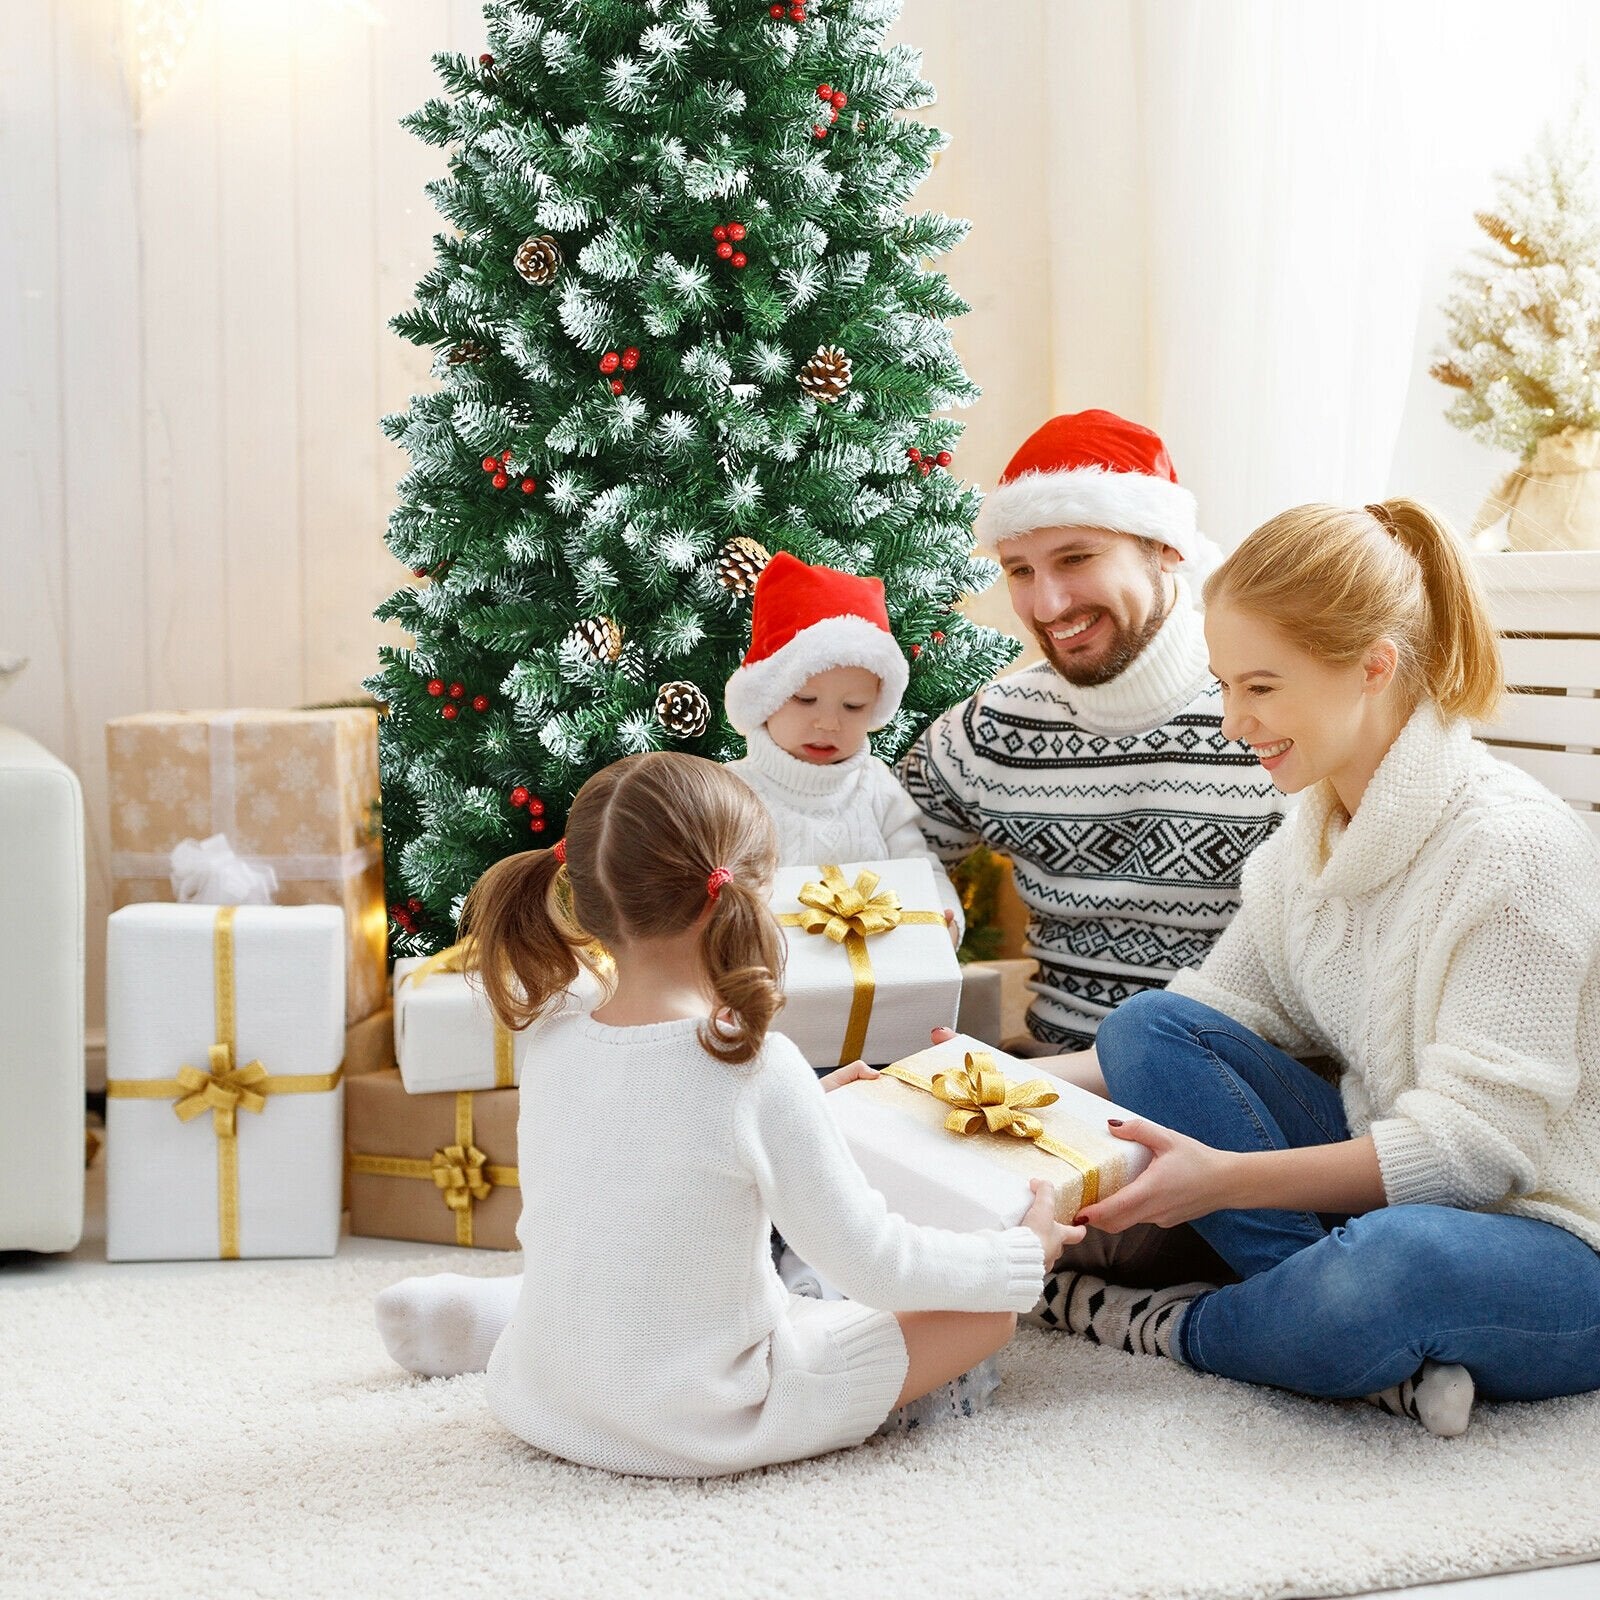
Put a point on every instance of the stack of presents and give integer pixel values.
(266, 1073)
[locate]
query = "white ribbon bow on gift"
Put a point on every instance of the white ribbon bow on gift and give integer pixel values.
(209, 872)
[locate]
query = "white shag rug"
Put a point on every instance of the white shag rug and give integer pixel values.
(238, 1431)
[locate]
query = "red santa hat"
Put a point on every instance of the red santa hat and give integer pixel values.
(1094, 469)
(807, 620)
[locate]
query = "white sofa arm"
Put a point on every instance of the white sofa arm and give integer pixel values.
(41, 998)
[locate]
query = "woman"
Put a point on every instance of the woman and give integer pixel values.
(1426, 919)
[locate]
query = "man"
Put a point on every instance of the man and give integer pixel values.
(1102, 771)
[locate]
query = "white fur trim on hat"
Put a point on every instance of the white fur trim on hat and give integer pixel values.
(759, 688)
(1092, 497)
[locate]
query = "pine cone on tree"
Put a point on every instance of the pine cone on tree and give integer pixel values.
(467, 351)
(739, 564)
(683, 709)
(599, 638)
(826, 376)
(538, 260)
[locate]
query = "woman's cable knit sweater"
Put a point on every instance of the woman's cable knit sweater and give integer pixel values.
(652, 1333)
(1444, 948)
(850, 810)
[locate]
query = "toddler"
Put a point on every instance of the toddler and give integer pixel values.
(661, 1136)
(824, 671)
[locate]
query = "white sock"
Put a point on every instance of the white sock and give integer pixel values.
(800, 1277)
(1439, 1397)
(447, 1324)
(1140, 1321)
(965, 1396)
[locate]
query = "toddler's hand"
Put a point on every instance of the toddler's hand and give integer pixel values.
(950, 923)
(840, 1076)
(1041, 1218)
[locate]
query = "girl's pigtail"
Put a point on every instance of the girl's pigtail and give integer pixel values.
(742, 948)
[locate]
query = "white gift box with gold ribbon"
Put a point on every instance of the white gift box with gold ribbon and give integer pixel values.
(952, 1136)
(224, 1102)
(870, 965)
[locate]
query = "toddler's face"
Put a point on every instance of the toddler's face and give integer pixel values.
(826, 719)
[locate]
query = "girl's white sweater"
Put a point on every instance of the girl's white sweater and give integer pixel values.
(852, 810)
(1444, 947)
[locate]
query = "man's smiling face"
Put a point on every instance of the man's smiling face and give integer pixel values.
(1092, 598)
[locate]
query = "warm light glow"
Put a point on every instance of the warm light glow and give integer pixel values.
(159, 32)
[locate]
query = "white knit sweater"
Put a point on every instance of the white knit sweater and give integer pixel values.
(852, 810)
(652, 1334)
(1444, 948)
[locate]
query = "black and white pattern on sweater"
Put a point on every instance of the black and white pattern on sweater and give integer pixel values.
(1127, 847)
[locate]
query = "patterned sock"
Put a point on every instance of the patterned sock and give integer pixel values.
(1439, 1397)
(1140, 1321)
(965, 1396)
(444, 1325)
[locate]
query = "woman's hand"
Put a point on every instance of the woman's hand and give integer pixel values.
(1185, 1179)
(1041, 1219)
(840, 1076)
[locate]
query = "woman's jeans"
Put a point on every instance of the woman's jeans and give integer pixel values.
(1347, 1306)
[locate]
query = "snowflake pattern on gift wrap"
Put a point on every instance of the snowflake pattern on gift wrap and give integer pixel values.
(192, 738)
(167, 783)
(135, 818)
(304, 838)
(298, 774)
(261, 808)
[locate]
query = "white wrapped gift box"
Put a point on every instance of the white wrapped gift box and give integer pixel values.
(946, 1179)
(910, 973)
(224, 1018)
(446, 1037)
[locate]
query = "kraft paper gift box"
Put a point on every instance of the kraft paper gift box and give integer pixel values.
(439, 1168)
(870, 966)
(294, 790)
(224, 1098)
(908, 1138)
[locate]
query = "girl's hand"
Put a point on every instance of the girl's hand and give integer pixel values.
(1041, 1219)
(1186, 1179)
(950, 923)
(840, 1076)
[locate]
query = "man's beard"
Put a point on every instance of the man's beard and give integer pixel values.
(1125, 646)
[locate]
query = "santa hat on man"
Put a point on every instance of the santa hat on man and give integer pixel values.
(1094, 469)
(807, 620)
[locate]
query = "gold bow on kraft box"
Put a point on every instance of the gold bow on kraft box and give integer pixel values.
(458, 957)
(850, 914)
(222, 1088)
(461, 1172)
(983, 1100)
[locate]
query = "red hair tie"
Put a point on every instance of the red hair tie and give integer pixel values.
(720, 876)
(560, 851)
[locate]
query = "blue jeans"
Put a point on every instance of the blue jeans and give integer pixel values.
(1346, 1306)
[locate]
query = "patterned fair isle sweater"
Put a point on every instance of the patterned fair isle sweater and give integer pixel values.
(1126, 814)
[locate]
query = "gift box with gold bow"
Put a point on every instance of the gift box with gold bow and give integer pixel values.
(870, 965)
(440, 1168)
(224, 1097)
(952, 1135)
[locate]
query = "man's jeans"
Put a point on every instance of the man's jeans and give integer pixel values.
(1346, 1306)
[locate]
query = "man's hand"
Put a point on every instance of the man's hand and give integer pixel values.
(853, 1073)
(1041, 1218)
(1185, 1179)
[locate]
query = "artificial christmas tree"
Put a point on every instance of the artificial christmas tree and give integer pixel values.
(681, 322)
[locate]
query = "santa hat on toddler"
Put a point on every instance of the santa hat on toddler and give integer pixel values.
(1094, 469)
(807, 620)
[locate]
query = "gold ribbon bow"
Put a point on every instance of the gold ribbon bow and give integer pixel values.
(850, 914)
(462, 957)
(461, 1172)
(984, 1100)
(223, 1089)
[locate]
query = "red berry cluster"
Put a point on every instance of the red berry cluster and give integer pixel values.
(520, 797)
(486, 60)
(926, 464)
(500, 467)
(834, 100)
(408, 914)
(437, 570)
(794, 13)
(627, 359)
(453, 693)
(729, 236)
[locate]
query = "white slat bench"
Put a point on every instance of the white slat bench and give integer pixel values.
(1547, 611)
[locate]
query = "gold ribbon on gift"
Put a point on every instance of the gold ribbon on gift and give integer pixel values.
(222, 1088)
(850, 914)
(984, 1100)
(461, 1172)
(459, 957)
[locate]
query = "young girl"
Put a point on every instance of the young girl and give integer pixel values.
(1427, 918)
(822, 673)
(661, 1137)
